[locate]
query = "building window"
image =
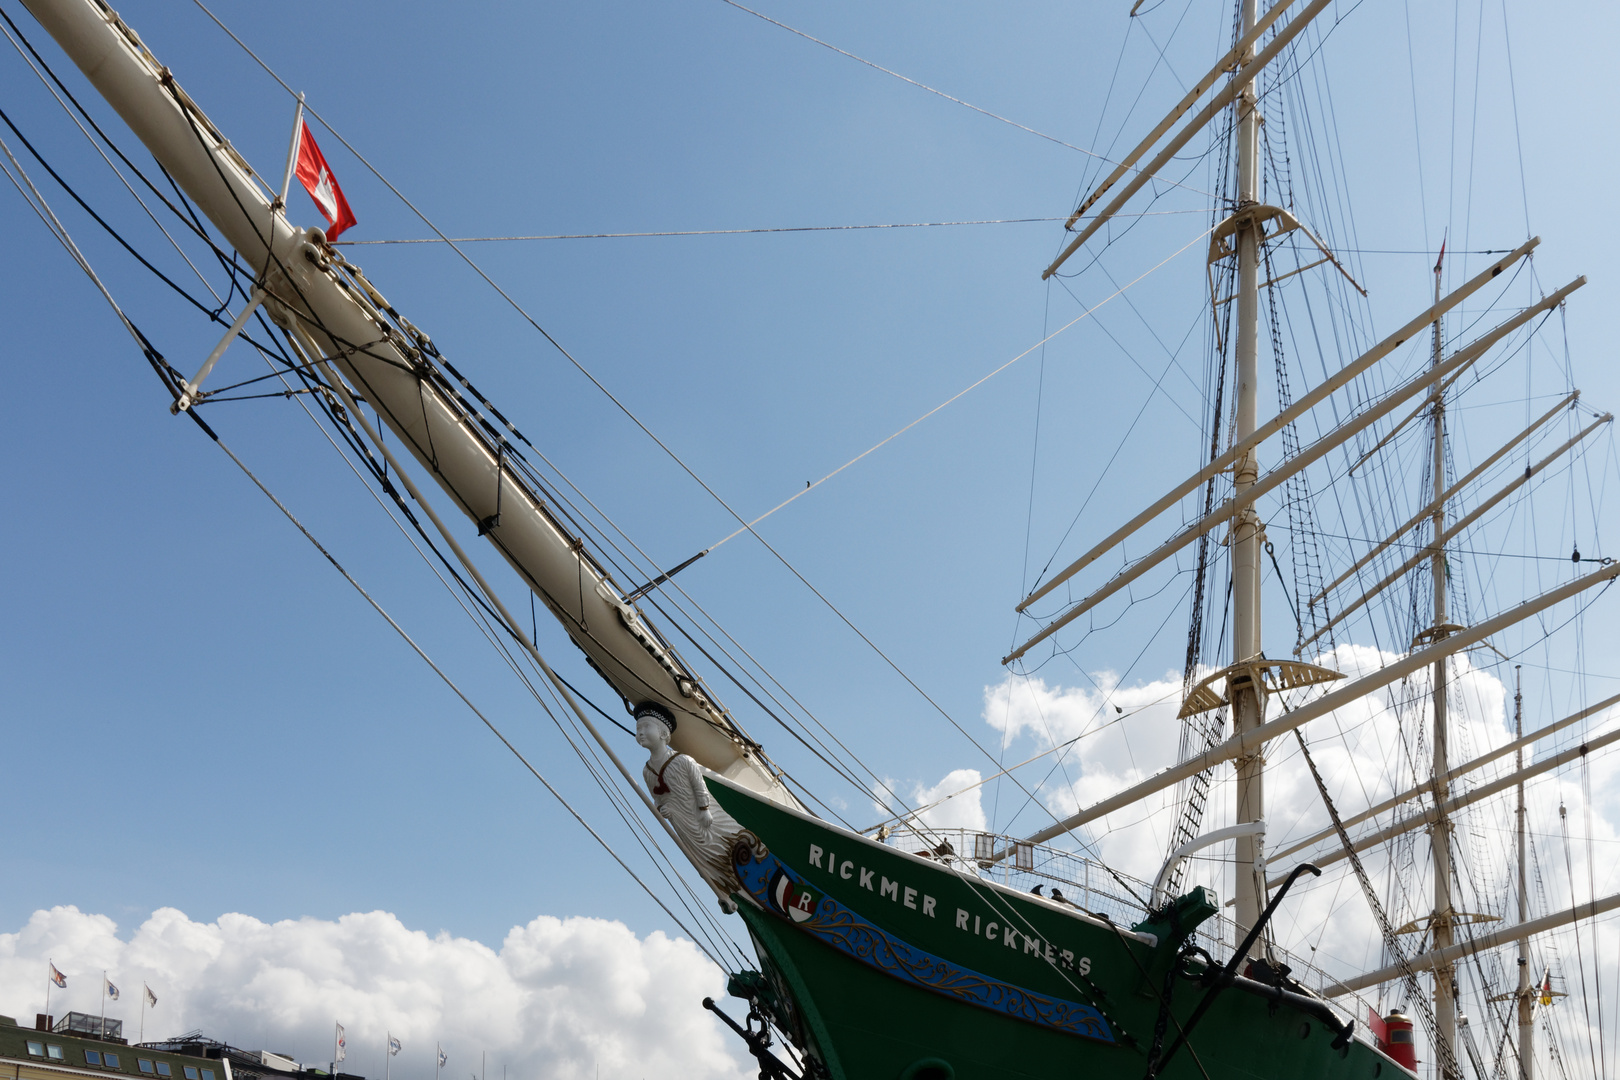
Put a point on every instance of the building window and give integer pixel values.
(191, 1074)
(208, 1074)
(145, 1064)
(163, 1069)
(110, 1060)
(93, 1057)
(37, 1049)
(54, 1052)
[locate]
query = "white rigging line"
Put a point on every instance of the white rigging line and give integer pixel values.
(749, 526)
(948, 97)
(735, 232)
(115, 170)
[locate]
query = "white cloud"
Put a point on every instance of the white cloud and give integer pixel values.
(560, 998)
(959, 807)
(1367, 751)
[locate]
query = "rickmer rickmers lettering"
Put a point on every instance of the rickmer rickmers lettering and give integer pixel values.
(777, 888)
(989, 928)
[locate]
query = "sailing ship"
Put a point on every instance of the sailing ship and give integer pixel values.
(913, 951)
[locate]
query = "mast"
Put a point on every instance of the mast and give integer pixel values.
(1247, 703)
(1445, 988)
(1527, 1027)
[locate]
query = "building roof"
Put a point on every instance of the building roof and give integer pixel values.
(187, 1057)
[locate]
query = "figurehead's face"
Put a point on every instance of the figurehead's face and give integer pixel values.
(651, 732)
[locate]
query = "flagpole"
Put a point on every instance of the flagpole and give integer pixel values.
(103, 1004)
(50, 977)
(292, 160)
(142, 1036)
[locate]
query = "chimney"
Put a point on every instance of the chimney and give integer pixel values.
(42, 1022)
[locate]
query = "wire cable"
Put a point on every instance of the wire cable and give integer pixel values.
(943, 94)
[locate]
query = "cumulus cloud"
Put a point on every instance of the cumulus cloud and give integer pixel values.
(953, 803)
(566, 998)
(1367, 751)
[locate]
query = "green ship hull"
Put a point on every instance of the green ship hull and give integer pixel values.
(883, 965)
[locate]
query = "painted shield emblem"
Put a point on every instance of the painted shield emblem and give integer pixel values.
(792, 899)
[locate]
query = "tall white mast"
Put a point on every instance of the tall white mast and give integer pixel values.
(1247, 704)
(1445, 989)
(1527, 1026)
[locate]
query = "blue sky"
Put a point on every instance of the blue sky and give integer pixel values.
(203, 715)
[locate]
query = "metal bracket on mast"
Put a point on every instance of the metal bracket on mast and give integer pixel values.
(1257, 215)
(1454, 918)
(191, 391)
(1435, 633)
(1288, 675)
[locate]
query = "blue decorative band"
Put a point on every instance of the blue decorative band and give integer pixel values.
(782, 891)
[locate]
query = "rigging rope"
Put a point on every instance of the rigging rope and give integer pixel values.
(749, 526)
(943, 94)
(701, 232)
(1416, 997)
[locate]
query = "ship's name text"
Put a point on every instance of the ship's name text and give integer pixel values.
(991, 930)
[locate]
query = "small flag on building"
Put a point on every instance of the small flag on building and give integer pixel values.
(57, 977)
(151, 998)
(393, 1045)
(112, 991)
(322, 186)
(341, 1045)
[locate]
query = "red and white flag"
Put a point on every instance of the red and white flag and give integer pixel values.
(322, 186)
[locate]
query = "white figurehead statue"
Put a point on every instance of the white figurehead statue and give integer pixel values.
(675, 780)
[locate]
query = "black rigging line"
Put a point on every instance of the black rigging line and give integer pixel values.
(213, 314)
(190, 218)
(615, 721)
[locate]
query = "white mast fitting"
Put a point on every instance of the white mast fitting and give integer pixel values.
(344, 318)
